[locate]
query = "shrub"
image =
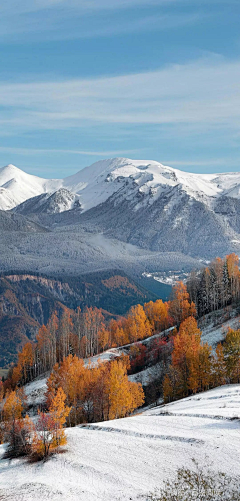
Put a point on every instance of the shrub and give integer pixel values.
(199, 485)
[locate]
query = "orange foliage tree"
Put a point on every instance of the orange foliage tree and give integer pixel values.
(49, 434)
(181, 307)
(191, 359)
(16, 430)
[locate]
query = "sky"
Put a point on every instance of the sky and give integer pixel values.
(83, 80)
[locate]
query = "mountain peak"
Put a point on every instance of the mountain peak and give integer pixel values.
(10, 167)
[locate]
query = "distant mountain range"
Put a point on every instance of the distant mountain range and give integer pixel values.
(96, 183)
(138, 215)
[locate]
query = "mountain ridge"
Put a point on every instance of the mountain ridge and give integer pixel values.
(95, 183)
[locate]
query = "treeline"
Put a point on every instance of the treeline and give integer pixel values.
(195, 367)
(216, 286)
(85, 334)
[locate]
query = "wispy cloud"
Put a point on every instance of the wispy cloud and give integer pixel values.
(69, 19)
(29, 6)
(45, 151)
(212, 162)
(204, 92)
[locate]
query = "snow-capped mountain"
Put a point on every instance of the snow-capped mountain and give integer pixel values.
(17, 186)
(96, 183)
(140, 202)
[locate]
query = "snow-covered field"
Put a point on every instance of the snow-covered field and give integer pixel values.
(126, 459)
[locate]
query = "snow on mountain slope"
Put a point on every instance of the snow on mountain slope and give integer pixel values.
(129, 458)
(140, 202)
(54, 203)
(17, 186)
(99, 181)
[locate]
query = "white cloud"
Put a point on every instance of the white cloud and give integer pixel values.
(47, 20)
(70, 20)
(212, 162)
(28, 6)
(203, 92)
(44, 151)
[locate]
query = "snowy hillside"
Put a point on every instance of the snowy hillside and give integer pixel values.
(129, 458)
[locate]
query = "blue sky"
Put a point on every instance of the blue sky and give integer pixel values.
(82, 80)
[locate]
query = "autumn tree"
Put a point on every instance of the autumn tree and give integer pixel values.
(190, 370)
(53, 326)
(17, 431)
(94, 393)
(173, 384)
(124, 396)
(137, 325)
(181, 307)
(23, 372)
(59, 413)
(70, 376)
(49, 434)
(157, 314)
(232, 261)
(44, 352)
(65, 330)
(42, 443)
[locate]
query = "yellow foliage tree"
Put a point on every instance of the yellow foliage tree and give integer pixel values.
(157, 313)
(59, 413)
(124, 396)
(138, 326)
(181, 307)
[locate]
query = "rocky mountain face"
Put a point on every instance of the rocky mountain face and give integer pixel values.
(60, 201)
(174, 222)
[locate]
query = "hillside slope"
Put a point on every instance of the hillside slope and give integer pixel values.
(126, 459)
